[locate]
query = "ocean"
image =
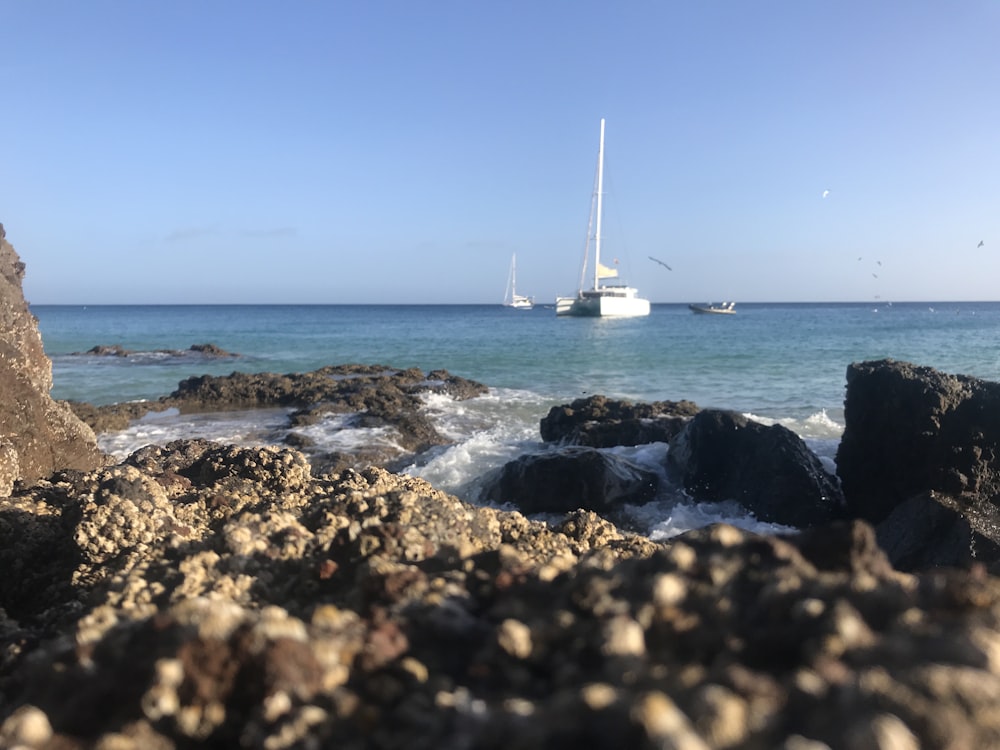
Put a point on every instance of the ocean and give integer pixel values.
(777, 363)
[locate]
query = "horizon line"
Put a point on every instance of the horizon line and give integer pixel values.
(490, 304)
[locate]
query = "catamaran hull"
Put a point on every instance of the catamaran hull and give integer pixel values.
(602, 307)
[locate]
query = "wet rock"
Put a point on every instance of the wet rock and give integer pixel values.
(298, 440)
(722, 455)
(599, 422)
(104, 350)
(351, 388)
(117, 350)
(936, 530)
(211, 350)
(40, 435)
(909, 430)
(569, 478)
(373, 396)
(114, 417)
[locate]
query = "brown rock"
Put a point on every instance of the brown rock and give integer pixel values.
(45, 435)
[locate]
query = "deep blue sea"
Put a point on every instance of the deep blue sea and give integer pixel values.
(782, 362)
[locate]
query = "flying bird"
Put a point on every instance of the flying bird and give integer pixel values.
(826, 193)
(661, 263)
(980, 243)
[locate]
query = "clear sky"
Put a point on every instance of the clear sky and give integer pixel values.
(356, 151)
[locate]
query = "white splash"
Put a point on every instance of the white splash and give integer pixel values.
(244, 428)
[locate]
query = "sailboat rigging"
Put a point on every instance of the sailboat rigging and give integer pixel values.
(602, 299)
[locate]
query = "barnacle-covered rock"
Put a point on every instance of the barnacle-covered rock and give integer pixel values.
(202, 596)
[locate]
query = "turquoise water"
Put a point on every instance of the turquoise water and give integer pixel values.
(776, 360)
(778, 363)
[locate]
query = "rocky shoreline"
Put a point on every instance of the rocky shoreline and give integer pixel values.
(369, 395)
(204, 595)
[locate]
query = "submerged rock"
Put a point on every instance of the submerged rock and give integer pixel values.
(117, 350)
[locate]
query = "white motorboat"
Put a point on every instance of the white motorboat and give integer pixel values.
(726, 308)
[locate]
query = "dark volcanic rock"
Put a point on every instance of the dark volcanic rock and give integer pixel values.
(722, 455)
(350, 388)
(602, 423)
(936, 530)
(911, 429)
(375, 396)
(564, 480)
(37, 435)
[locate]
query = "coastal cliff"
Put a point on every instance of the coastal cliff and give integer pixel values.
(37, 434)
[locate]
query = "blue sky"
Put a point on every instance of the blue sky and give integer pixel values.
(353, 152)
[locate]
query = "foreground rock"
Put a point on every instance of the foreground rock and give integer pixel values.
(207, 596)
(37, 434)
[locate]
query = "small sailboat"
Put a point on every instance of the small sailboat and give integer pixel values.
(602, 299)
(511, 298)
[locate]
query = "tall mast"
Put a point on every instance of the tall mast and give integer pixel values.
(600, 192)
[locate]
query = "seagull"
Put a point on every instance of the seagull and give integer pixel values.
(661, 263)
(826, 193)
(980, 243)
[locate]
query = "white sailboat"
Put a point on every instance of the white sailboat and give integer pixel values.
(602, 299)
(511, 298)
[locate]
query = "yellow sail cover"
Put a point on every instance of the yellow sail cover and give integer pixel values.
(603, 272)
